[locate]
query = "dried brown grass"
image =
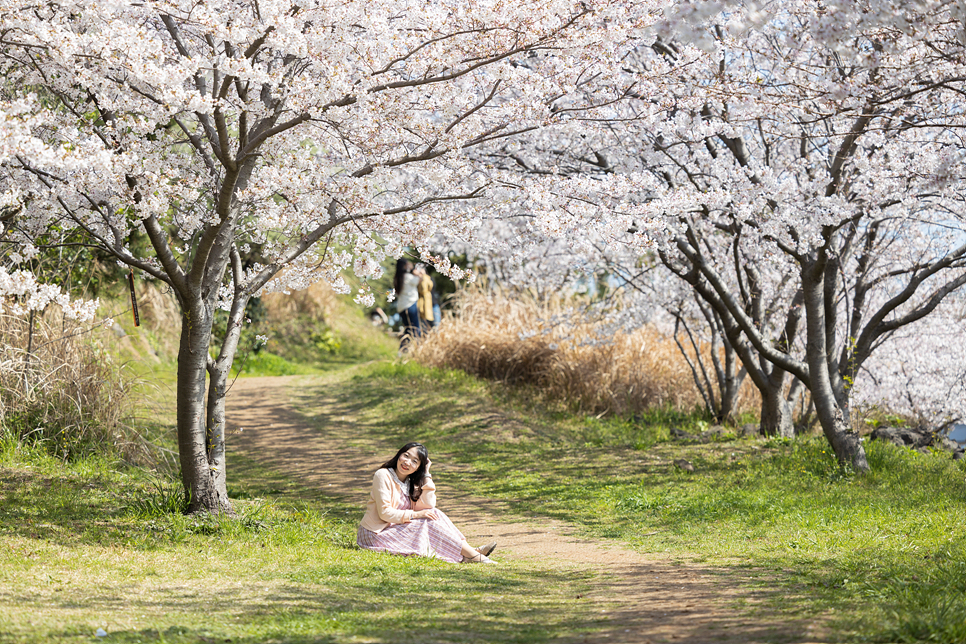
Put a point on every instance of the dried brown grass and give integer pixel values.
(63, 392)
(567, 356)
(318, 300)
(159, 313)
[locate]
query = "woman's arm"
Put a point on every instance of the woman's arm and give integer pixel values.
(427, 500)
(382, 494)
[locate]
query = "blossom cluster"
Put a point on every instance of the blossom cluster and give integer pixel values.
(20, 293)
(734, 147)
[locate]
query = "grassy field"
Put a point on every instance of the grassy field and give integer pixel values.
(91, 546)
(95, 544)
(881, 556)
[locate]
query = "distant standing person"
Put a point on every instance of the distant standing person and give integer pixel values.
(407, 295)
(437, 313)
(402, 518)
(425, 303)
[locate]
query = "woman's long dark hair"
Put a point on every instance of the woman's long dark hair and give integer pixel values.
(417, 478)
(403, 266)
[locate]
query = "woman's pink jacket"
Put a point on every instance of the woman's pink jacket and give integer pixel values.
(381, 510)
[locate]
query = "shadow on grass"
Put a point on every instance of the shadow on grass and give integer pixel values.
(384, 599)
(62, 509)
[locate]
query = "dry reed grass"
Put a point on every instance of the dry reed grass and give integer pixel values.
(569, 357)
(282, 313)
(318, 300)
(58, 390)
(159, 313)
(295, 318)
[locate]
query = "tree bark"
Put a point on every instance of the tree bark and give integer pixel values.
(196, 474)
(832, 413)
(729, 375)
(215, 434)
(776, 413)
(731, 389)
(219, 371)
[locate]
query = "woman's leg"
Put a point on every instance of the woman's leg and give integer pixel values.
(468, 551)
(410, 322)
(414, 319)
(425, 537)
(446, 541)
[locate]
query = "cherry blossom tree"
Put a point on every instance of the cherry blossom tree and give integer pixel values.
(806, 160)
(799, 166)
(851, 186)
(920, 372)
(697, 329)
(253, 146)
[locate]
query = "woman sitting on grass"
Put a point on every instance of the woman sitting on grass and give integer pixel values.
(401, 515)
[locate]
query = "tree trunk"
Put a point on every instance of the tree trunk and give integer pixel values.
(845, 441)
(796, 400)
(832, 414)
(196, 473)
(776, 413)
(219, 371)
(215, 433)
(730, 391)
(730, 375)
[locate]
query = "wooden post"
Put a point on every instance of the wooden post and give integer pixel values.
(134, 301)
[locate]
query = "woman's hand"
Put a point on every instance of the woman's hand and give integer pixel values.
(425, 514)
(428, 464)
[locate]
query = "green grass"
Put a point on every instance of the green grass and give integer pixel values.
(264, 363)
(880, 555)
(346, 338)
(91, 544)
(94, 544)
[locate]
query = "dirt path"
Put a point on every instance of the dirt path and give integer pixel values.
(647, 598)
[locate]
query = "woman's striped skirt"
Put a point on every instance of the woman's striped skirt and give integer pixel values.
(425, 537)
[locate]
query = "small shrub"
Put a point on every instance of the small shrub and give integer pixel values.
(61, 393)
(166, 498)
(325, 341)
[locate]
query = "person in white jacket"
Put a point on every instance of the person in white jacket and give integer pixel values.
(401, 514)
(407, 295)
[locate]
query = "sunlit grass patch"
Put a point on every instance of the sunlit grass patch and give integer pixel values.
(264, 363)
(90, 544)
(876, 554)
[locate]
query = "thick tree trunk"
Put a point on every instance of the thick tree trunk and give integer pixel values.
(843, 439)
(832, 413)
(776, 413)
(196, 473)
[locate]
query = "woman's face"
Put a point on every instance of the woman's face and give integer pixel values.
(408, 462)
